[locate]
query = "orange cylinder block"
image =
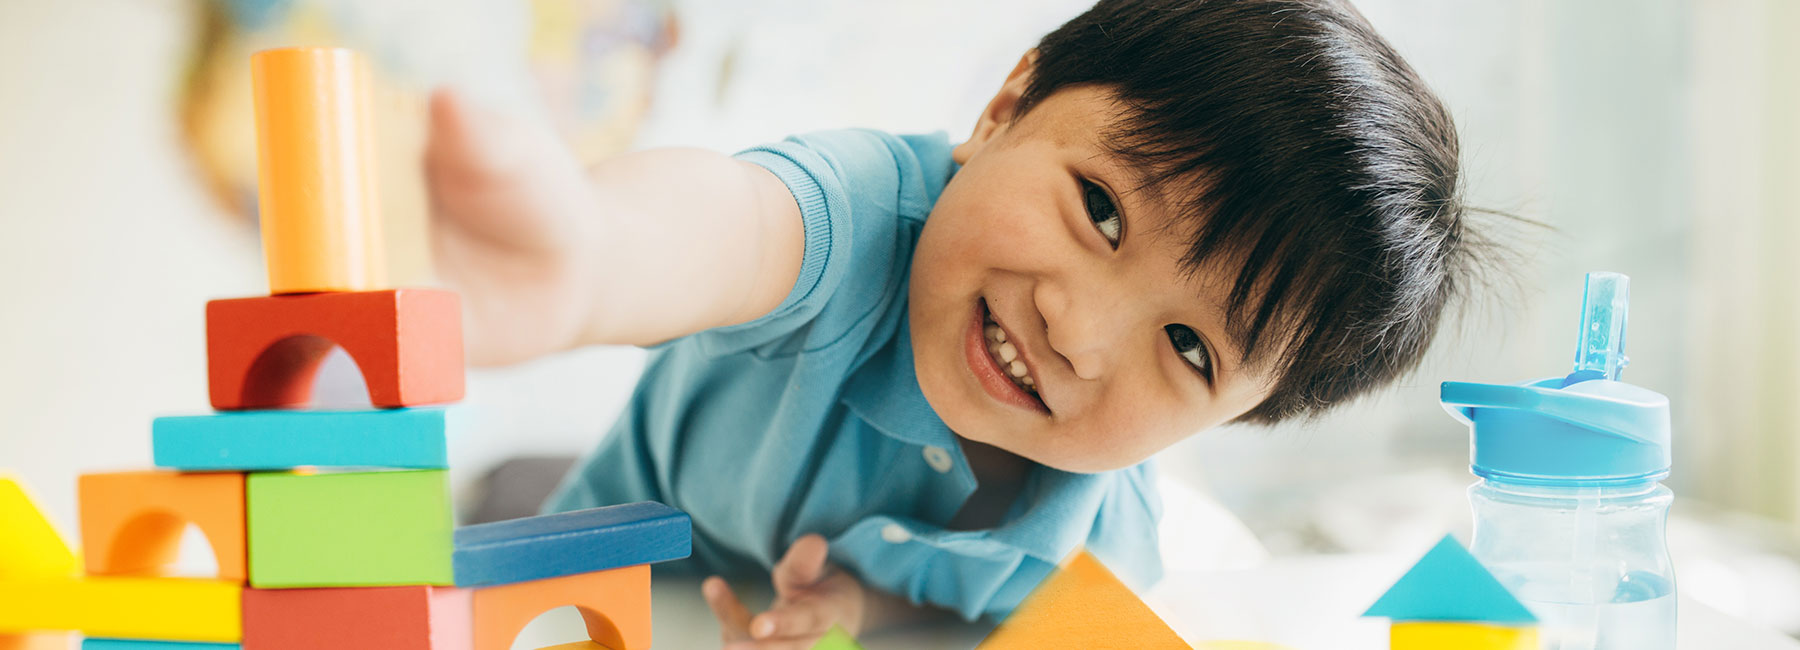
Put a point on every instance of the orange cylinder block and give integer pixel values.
(315, 170)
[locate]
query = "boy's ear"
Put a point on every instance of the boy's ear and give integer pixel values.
(999, 112)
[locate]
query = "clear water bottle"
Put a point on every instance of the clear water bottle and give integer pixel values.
(1569, 511)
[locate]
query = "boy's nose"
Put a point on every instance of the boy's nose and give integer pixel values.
(1085, 332)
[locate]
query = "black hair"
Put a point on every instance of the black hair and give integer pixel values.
(1316, 161)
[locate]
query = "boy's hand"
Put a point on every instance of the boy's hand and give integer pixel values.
(508, 200)
(810, 595)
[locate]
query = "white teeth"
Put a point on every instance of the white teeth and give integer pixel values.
(1006, 355)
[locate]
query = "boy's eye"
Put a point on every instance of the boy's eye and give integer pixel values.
(1104, 214)
(1187, 343)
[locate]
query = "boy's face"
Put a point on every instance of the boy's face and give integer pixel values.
(1039, 234)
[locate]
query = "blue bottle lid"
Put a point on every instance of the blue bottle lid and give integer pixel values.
(1584, 429)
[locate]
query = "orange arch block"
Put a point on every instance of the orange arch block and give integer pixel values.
(264, 352)
(614, 603)
(131, 522)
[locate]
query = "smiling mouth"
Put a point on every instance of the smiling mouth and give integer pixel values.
(999, 364)
(1006, 353)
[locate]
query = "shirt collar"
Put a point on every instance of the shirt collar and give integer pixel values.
(885, 393)
(1060, 508)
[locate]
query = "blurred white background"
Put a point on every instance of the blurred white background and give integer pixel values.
(1658, 138)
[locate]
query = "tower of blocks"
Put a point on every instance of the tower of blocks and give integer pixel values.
(331, 529)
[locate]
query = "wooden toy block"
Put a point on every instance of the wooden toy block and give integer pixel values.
(567, 543)
(1434, 635)
(1082, 605)
(263, 353)
(173, 609)
(133, 521)
(615, 604)
(41, 641)
(315, 170)
(138, 644)
(358, 618)
(1449, 584)
(30, 546)
(350, 529)
(279, 440)
(836, 639)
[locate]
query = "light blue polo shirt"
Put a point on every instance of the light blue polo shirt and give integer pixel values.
(810, 419)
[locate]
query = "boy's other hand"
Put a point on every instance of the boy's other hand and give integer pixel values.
(507, 197)
(810, 596)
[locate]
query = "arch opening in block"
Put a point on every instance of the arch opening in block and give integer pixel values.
(159, 543)
(307, 370)
(163, 524)
(285, 372)
(567, 626)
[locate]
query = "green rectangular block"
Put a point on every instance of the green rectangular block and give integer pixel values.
(357, 529)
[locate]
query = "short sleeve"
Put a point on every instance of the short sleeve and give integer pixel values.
(856, 190)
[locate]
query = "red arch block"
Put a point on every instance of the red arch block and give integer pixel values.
(131, 522)
(263, 352)
(614, 603)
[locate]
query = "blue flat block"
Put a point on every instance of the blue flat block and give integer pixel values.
(135, 644)
(568, 543)
(409, 438)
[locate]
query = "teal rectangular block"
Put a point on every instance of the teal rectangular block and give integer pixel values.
(407, 438)
(135, 644)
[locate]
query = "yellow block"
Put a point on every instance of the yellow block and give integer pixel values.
(30, 547)
(167, 609)
(315, 170)
(1432, 635)
(1082, 605)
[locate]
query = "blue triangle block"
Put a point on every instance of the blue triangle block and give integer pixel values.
(1449, 584)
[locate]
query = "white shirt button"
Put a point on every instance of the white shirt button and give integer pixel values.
(938, 458)
(895, 534)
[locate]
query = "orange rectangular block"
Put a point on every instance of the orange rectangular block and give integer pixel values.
(1082, 605)
(263, 352)
(357, 618)
(131, 522)
(614, 603)
(48, 641)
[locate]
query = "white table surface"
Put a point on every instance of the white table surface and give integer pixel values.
(1306, 603)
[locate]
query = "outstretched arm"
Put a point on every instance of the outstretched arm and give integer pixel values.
(639, 249)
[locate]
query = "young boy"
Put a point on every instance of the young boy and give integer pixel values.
(901, 376)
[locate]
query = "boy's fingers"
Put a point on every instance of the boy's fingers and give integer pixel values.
(802, 566)
(734, 618)
(467, 143)
(799, 619)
